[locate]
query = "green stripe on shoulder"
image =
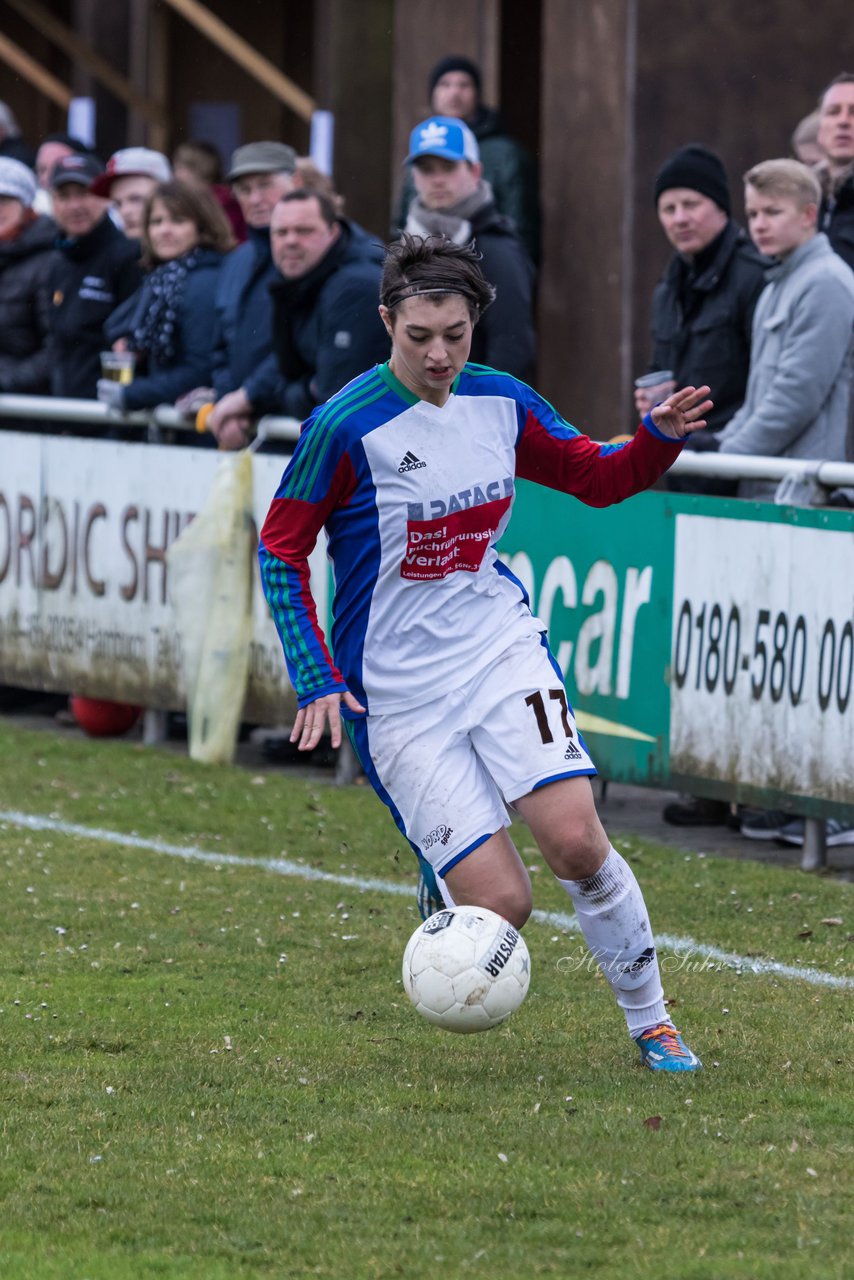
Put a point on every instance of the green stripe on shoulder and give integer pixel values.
(329, 418)
(482, 370)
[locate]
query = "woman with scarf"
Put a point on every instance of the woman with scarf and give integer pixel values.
(169, 323)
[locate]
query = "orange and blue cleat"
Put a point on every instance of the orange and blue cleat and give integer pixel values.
(663, 1049)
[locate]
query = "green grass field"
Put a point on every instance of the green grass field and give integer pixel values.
(210, 1070)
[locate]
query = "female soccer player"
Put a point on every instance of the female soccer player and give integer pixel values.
(452, 698)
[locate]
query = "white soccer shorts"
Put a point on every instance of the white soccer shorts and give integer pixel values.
(448, 768)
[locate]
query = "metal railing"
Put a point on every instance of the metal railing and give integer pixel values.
(736, 466)
(92, 412)
(815, 473)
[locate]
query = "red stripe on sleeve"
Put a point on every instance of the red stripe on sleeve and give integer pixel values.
(293, 525)
(576, 465)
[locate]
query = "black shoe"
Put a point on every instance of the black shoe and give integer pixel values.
(278, 749)
(697, 812)
(765, 824)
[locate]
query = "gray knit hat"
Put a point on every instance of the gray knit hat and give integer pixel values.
(17, 181)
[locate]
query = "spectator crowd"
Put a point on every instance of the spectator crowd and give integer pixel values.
(239, 293)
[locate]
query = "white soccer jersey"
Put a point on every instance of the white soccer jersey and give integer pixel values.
(414, 499)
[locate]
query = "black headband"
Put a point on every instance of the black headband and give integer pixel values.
(415, 290)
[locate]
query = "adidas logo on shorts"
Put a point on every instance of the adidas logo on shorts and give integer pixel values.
(410, 462)
(572, 752)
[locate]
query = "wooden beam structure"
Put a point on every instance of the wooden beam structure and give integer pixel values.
(31, 71)
(79, 51)
(241, 52)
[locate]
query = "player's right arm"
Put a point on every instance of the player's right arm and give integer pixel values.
(318, 478)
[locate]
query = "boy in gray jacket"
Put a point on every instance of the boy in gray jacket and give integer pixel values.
(799, 383)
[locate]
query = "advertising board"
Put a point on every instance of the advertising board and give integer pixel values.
(84, 583)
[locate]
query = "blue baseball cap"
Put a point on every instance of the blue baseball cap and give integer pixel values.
(443, 136)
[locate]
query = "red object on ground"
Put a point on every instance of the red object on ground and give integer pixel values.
(102, 719)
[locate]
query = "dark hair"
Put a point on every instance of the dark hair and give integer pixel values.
(195, 203)
(844, 77)
(325, 203)
(68, 140)
(437, 268)
(201, 158)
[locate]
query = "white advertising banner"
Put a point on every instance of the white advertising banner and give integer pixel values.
(763, 653)
(84, 591)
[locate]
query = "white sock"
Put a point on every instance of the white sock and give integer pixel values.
(615, 924)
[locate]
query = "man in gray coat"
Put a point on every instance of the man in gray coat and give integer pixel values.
(798, 388)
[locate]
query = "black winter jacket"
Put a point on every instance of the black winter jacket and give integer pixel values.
(504, 337)
(90, 276)
(242, 352)
(25, 266)
(326, 324)
(707, 339)
(836, 219)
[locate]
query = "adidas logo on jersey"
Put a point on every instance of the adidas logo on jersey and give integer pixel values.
(572, 752)
(410, 462)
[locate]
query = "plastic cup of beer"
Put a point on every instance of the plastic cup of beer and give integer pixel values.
(118, 366)
(661, 381)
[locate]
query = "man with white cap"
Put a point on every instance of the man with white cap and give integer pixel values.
(454, 200)
(26, 249)
(128, 180)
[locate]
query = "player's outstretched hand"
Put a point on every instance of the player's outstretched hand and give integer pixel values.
(312, 720)
(682, 412)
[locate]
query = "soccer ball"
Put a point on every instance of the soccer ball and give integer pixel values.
(466, 969)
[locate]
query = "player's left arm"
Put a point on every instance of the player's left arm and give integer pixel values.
(551, 452)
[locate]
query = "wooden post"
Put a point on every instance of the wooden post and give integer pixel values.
(586, 175)
(357, 89)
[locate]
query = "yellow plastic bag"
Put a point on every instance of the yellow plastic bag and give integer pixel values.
(210, 585)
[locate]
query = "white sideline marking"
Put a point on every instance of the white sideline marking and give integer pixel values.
(283, 867)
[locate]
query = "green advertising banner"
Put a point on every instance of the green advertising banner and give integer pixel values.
(706, 644)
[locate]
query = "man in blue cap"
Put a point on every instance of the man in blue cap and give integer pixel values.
(454, 89)
(454, 200)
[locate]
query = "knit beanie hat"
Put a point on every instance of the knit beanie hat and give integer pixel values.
(698, 169)
(17, 181)
(454, 62)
